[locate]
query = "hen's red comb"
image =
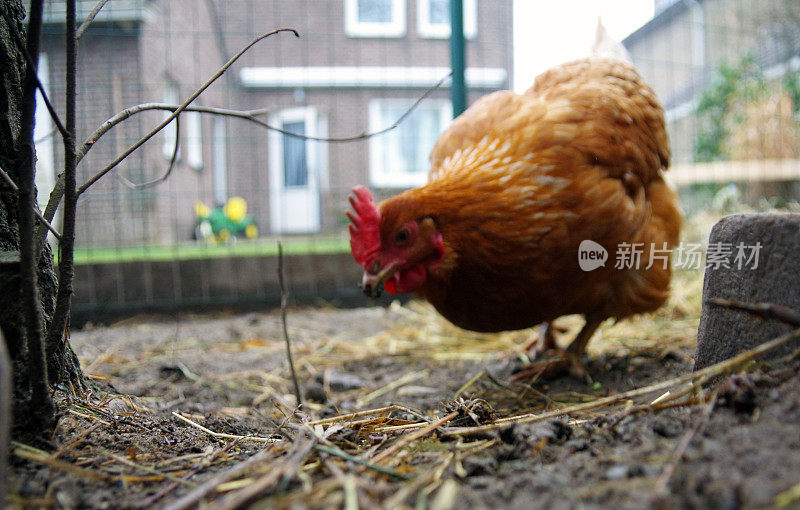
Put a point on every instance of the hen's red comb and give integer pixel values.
(365, 236)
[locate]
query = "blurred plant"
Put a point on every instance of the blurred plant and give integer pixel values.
(791, 82)
(733, 84)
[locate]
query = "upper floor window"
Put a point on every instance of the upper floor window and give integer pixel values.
(375, 18)
(400, 157)
(433, 18)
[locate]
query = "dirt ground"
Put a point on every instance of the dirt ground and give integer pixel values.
(123, 444)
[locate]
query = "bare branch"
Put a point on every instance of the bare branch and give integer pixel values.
(763, 310)
(36, 211)
(284, 299)
(44, 137)
(90, 18)
(149, 184)
(183, 106)
(49, 213)
(59, 324)
(669, 469)
(249, 115)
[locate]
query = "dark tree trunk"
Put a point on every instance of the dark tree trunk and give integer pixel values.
(62, 363)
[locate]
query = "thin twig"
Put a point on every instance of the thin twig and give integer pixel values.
(58, 330)
(193, 497)
(326, 446)
(77, 440)
(62, 465)
(207, 461)
(287, 470)
(763, 310)
(177, 112)
(406, 379)
(404, 440)
(337, 452)
(249, 115)
(173, 159)
(284, 299)
(223, 435)
(152, 471)
(666, 475)
(359, 414)
(469, 383)
(36, 211)
(696, 378)
(90, 18)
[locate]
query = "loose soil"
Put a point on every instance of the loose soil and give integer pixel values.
(121, 444)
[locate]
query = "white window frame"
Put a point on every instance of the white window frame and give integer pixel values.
(194, 140)
(379, 176)
(442, 30)
(220, 147)
(171, 96)
(355, 28)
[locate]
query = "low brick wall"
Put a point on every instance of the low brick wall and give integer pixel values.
(108, 291)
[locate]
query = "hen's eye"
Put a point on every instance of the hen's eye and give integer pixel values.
(401, 237)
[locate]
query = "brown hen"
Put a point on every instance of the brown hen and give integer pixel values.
(516, 184)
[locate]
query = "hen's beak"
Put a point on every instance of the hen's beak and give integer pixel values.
(372, 284)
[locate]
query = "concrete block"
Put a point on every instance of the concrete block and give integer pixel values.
(771, 275)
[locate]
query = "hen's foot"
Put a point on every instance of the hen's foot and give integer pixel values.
(555, 363)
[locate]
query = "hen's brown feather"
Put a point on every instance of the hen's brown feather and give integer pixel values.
(518, 181)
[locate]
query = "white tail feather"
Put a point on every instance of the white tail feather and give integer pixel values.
(606, 47)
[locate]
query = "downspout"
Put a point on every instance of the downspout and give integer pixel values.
(458, 89)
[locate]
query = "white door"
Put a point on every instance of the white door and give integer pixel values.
(294, 170)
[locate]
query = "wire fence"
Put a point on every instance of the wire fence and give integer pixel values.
(727, 73)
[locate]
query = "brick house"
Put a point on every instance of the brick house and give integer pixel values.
(680, 48)
(357, 66)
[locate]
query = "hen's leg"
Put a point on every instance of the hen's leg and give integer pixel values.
(569, 360)
(548, 334)
(577, 348)
(545, 339)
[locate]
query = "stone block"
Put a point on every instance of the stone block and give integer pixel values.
(762, 266)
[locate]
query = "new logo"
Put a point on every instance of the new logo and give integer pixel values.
(591, 255)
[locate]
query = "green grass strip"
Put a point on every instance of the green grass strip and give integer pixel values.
(255, 248)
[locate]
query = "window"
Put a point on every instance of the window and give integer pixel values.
(194, 140)
(433, 18)
(375, 18)
(170, 130)
(400, 157)
(295, 160)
